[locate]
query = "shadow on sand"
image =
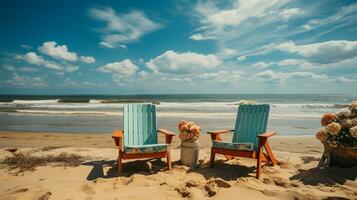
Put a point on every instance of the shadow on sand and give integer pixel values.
(327, 176)
(221, 169)
(224, 170)
(147, 166)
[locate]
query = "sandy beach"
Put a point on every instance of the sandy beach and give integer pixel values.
(178, 100)
(296, 176)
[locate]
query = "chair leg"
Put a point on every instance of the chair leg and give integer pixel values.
(211, 162)
(120, 164)
(259, 160)
(271, 156)
(168, 160)
(228, 157)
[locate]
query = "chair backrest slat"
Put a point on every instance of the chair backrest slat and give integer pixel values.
(251, 121)
(140, 124)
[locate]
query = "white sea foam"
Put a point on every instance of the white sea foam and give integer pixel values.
(168, 109)
(110, 113)
(78, 105)
(208, 115)
(96, 101)
(304, 105)
(67, 112)
(93, 103)
(45, 101)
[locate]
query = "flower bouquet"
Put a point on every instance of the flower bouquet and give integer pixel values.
(189, 131)
(189, 134)
(339, 136)
(339, 129)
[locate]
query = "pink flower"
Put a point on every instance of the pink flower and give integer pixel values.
(189, 131)
(195, 129)
(328, 118)
(181, 124)
(322, 135)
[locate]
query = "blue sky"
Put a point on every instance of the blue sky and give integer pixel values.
(145, 47)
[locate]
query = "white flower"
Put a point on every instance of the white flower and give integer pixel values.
(353, 132)
(344, 113)
(333, 128)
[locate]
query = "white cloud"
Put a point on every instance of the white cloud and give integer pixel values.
(141, 61)
(281, 77)
(346, 16)
(262, 64)
(246, 25)
(84, 84)
(60, 74)
(229, 52)
(200, 37)
(71, 68)
(25, 46)
(87, 59)
(333, 51)
(269, 76)
(107, 45)
(59, 52)
(121, 69)
(307, 75)
(222, 76)
(33, 58)
(9, 67)
(143, 73)
(122, 28)
(290, 12)
(243, 11)
(25, 81)
(343, 79)
(240, 12)
(241, 58)
(182, 63)
(290, 62)
(123, 46)
(176, 79)
(27, 69)
(69, 82)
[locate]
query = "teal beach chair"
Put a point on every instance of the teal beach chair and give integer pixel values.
(249, 137)
(139, 138)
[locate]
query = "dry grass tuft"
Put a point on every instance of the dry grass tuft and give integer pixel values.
(48, 148)
(25, 161)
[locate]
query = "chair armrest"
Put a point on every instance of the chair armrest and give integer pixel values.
(266, 135)
(168, 135)
(220, 131)
(118, 138)
(215, 134)
(166, 132)
(117, 134)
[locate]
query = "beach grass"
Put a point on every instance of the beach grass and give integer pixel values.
(26, 161)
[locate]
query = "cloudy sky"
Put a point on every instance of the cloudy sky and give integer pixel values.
(139, 47)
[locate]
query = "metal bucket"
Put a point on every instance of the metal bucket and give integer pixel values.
(189, 153)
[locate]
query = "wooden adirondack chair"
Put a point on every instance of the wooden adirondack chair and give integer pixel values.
(139, 138)
(249, 139)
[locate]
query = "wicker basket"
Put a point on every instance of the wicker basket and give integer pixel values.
(342, 156)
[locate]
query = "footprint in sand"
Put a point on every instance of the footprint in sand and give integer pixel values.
(88, 189)
(46, 196)
(21, 190)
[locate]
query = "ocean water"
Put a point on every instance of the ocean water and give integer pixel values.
(291, 114)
